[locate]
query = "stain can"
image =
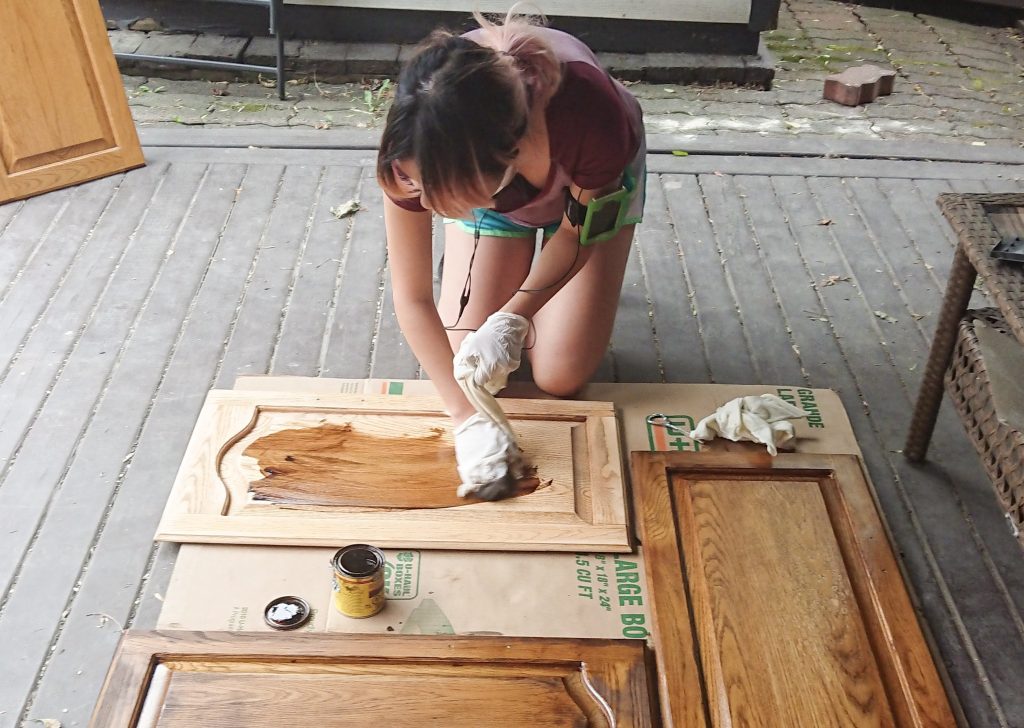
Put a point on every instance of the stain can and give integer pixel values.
(359, 580)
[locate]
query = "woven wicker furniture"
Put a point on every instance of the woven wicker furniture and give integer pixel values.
(979, 221)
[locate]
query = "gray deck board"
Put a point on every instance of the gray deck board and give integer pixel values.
(678, 338)
(350, 348)
(726, 283)
(43, 452)
(25, 231)
(719, 326)
(258, 321)
(47, 575)
(121, 556)
(731, 145)
(305, 321)
(67, 242)
(872, 168)
(750, 285)
(635, 354)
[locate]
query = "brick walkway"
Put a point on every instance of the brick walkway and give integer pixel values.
(957, 82)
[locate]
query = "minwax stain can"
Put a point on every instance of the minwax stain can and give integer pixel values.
(359, 580)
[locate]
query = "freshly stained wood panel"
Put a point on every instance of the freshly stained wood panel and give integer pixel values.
(64, 118)
(185, 679)
(777, 600)
(309, 469)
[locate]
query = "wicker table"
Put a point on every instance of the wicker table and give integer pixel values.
(980, 222)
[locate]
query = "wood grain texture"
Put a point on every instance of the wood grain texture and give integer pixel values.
(776, 597)
(179, 679)
(64, 118)
(396, 487)
(338, 465)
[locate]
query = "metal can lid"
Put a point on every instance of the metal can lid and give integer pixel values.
(358, 560)
(287, 613)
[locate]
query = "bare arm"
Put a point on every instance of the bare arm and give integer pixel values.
(411, 263)
(554, 266)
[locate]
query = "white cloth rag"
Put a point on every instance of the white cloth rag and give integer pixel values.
(761, 418)
(490, 460)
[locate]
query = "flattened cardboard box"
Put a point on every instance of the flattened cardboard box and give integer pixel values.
(513, 594)
(826, 429)
(219, 587)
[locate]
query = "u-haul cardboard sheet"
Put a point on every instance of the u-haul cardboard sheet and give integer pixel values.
(223, 587)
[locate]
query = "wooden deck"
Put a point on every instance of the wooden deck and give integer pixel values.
(123, 301)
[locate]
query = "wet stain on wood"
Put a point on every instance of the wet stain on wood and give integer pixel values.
(336, 465)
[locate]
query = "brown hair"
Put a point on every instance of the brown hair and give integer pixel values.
(461, 107)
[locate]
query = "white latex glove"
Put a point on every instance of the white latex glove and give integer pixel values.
(493, 351)
(490, 462)
(764, 418)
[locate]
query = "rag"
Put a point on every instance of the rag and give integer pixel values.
(490, 460)
(761, 418)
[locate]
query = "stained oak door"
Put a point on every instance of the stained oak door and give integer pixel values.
(776, 597)
(231, 679)
(64, 118)
(287, 468)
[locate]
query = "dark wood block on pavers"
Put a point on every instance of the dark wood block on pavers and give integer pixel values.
(859, 85)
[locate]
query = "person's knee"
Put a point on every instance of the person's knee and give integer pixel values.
(559, 382)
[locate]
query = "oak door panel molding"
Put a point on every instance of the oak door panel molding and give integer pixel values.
(221, 679)
(776, 597)
(289, 468)
(64, 117)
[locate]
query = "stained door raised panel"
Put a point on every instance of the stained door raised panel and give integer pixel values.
(230, 679)
(776, 597)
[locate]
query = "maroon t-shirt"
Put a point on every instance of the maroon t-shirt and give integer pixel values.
(595, 129)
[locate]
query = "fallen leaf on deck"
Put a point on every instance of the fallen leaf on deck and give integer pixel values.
(48, 722)
(680, 153)
(917, 316)
(825, 221)
(885, 317)
(345, 209)
(832, 280)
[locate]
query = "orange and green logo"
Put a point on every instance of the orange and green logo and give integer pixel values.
(666, 434)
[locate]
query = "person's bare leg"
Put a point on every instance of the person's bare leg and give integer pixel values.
(573, 328)
(500, 267)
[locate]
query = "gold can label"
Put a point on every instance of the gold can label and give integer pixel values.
(359, 580)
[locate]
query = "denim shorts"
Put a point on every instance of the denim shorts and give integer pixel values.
(491, 223)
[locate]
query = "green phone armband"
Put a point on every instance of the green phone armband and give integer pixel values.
(601, 218)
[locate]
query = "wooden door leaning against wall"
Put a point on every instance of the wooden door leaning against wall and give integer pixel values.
(64, 118)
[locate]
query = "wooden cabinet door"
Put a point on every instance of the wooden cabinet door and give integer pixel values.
(776, 597)
(231, 679)
(302, 469)
(64, 118)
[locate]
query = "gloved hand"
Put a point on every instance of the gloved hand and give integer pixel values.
(493, 351)
(490, 462)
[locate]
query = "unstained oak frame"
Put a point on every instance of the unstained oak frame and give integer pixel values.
(580, 505)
